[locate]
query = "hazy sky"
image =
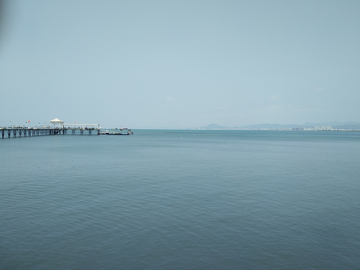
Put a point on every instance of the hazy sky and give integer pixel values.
(179, 64)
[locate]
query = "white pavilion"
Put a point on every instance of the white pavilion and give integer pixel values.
(56, 122)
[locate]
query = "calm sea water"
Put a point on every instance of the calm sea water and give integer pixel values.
(181, 200)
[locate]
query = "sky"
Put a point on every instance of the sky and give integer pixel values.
(179, 64)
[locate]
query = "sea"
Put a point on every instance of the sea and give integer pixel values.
(181, 199)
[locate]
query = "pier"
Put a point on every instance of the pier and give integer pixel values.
(58, 128)
(14, 132)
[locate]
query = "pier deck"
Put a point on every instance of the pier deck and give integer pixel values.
(14, 132)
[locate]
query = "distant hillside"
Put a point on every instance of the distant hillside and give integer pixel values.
(335, 125)
(214, 127)
(271, 126)
(347, 126)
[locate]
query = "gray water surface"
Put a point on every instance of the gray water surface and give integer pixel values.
(181, 200)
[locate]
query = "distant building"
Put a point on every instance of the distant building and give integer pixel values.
(324, 128)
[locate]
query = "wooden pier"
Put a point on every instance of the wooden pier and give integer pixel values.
(58, 127)
(14, 132)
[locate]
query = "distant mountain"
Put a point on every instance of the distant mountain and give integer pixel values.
(347, 126)
(335, 125)
(271, 126)
(214, 127)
